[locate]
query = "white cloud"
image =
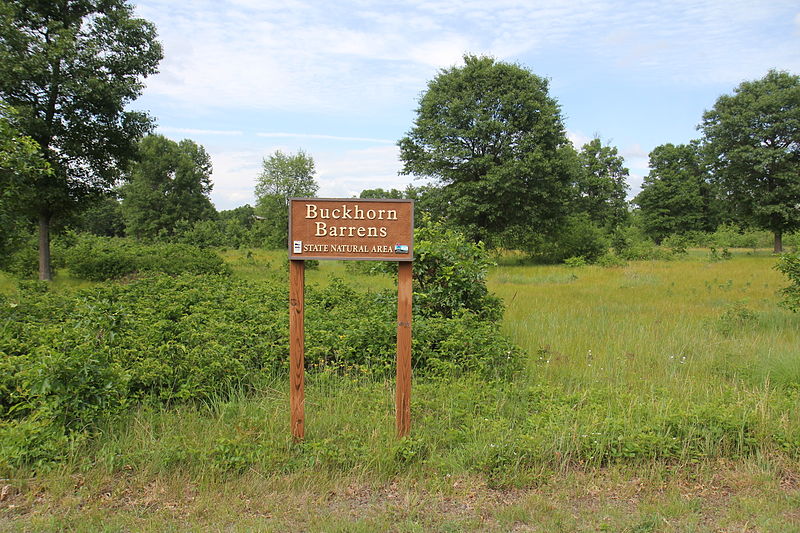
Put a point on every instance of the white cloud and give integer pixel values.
(340, 173)
(353, 55)
(191, 131)
(325, 137)
(578, 139)
(234, 177)
(345, 174)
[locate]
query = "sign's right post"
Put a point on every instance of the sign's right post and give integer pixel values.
(403, 382)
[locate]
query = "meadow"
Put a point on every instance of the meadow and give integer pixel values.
(655, 396)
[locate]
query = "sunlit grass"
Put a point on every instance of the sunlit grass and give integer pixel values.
(651, 324)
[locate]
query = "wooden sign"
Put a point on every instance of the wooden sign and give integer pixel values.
(365, 230)
(350, 229)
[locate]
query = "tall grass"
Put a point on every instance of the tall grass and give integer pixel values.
(690, 326)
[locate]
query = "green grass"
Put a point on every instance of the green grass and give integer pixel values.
(660, 396)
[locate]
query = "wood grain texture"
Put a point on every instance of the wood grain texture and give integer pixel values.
(403, 385)
(297, 348)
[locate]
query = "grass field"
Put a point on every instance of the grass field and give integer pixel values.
(659, 396)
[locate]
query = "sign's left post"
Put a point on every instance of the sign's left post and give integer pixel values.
(297, 348)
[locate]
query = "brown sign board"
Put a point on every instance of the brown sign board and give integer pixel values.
(355, 229)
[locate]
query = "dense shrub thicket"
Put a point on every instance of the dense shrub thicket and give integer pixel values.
(102, 258)
(98, 258)
(70, 361)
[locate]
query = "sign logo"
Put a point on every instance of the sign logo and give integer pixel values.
(297, 247)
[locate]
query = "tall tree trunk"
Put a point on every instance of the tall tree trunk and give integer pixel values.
(45, 274)
(778, 242)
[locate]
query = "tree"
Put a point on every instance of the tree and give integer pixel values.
(381, 193)
(283, 176)
(752, 139)
(601, 186)
(169, 182)
(677, 196)
(70, 68)
(494, 139)
(21, 163)
(102, 217)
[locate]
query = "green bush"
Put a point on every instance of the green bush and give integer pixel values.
(734, 236)
(789, 265)
(70, 362)
(631, 244)
(23, 260)
(579, 237)
(450, 274)
(102, 258)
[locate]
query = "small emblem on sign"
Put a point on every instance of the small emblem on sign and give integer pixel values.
(297, 247)
(401, 248)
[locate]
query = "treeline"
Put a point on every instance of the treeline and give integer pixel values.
(487, 135)
(493, 140)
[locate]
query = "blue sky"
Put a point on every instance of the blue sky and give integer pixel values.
(341, 80)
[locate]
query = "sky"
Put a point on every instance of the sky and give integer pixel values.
(341, 80)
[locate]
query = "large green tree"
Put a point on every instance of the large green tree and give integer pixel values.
(602, 185)
(493, 138)
(169, 182)
(283, 176)
(21, 164)
(71, 68)
(677, 196)
(752, 139)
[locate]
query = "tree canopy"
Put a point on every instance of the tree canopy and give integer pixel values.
(752, 139)
(493, 138)
(169, 182)
(70, 69)
(283, 176)
(21, 165)
(676, 195)
(602, 186)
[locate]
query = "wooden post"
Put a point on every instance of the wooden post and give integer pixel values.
(297, 348)
(403, 385)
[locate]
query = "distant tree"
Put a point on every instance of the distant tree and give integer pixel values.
(243, 227)
(283, 176)
(429, 203)
(381, 193)
(676, 195)
(169, 182)
(752, 139)
(102, 216)
(71, 68)
(602, 185)
(243, 216)
(493, 138)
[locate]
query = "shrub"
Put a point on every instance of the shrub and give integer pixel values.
(630, 243)
(789, 265)
(579, 237)
(449, 273)
(69, 362)
(102, 258)
(734, 236)
(677, 244)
